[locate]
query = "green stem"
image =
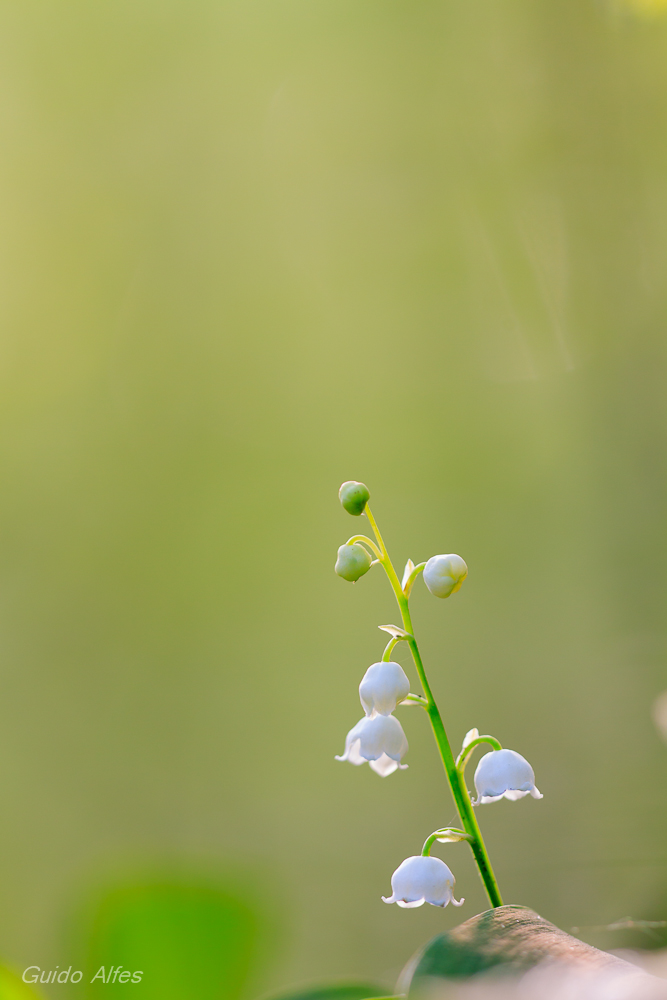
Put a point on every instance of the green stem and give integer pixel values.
(430, 841)
(419, 568)
(456, 779)
(416, 699)
(462, 758)
(386, 656)
(356, 539)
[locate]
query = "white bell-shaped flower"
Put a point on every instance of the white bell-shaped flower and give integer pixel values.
(443, 575)
(422, 880)
(383, 685)
(378, 739)
(504, 773)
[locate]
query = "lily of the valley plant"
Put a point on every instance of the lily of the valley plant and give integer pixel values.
(378, 738)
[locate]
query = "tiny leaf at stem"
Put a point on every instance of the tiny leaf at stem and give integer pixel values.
(414, 699)
(395, 631)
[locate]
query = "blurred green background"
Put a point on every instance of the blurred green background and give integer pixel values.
(250, 250)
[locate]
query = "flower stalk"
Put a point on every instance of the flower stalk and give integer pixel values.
(454, 774)
(449, 835)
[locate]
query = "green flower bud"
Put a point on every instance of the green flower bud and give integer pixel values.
(354, 497)
(353, 561)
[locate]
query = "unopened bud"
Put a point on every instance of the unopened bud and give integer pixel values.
(443, 575)
(354, 497)
(352, 562)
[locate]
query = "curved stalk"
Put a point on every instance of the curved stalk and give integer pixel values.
(407, 586)
(462, 758)
(455, 777)
(356, 539)
(414, 699)
(430, 841)
(386, 656)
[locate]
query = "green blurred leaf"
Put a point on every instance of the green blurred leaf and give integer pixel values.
(12, 987)
(512, 936)
(443, 957)
(188, 941)
(334, 991)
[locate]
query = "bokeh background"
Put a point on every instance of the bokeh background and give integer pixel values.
(250, 250)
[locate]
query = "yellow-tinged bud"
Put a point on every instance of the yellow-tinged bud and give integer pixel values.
(443, 575)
